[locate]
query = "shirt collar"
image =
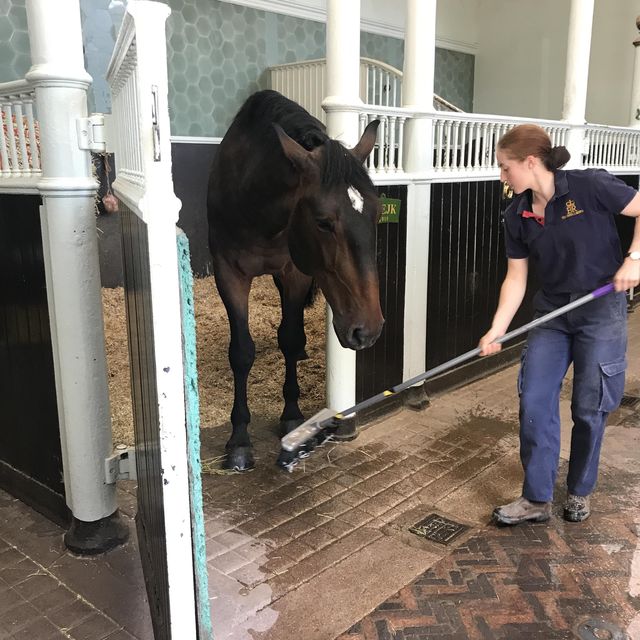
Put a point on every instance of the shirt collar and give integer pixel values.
(561, 189)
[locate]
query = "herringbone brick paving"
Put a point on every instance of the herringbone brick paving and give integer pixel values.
(530, 581)
(545, 581)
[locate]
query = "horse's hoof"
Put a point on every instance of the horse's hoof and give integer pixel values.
(287, 426)
(239, 459)
(346, 430)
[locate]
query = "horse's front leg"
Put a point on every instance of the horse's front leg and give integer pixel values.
(234, 291)
(294, 288)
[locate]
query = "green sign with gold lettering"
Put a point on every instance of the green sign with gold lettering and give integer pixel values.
(390, 210)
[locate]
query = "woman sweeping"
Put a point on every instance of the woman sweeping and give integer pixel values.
(563, 222)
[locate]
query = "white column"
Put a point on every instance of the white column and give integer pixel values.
(417, 81)
(343, 97)
(71, 256)
(417, 91)
(634, 115)
(577, 76)
(343, 70)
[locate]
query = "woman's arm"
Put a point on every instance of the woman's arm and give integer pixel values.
(511, 295)
(629, 273)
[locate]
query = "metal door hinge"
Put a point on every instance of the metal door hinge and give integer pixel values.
(121, 465)
(91, 133)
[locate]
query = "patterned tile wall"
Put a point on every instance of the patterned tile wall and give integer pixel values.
(454, 77)
(100, 23)
(219, 53)
(15, 58)
(382, 48)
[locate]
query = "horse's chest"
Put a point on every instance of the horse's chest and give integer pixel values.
(259, 259)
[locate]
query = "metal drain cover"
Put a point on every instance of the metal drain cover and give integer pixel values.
(597, 629)
(438, 529)
(631, 402)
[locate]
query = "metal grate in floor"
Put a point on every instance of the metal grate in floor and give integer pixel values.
(598, 629)
(438, 529)
(630, 402)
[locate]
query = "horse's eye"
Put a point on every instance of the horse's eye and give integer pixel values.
(324, 224)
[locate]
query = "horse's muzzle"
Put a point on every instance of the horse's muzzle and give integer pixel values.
(359, 337)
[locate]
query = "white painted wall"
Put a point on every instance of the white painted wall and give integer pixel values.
(456, 21)
(521, 58)
(456, 24)
(611, 67)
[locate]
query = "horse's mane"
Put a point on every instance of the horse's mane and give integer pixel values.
(339, 165)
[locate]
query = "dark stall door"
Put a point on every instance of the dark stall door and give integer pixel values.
(30, 450)
(380, 367)
(467, 265)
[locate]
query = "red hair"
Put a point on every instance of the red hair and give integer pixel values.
(526, 140)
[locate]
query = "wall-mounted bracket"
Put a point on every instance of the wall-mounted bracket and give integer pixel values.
(121, 465)
(91, 133)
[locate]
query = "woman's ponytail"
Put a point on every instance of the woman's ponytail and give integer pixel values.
(556, 158)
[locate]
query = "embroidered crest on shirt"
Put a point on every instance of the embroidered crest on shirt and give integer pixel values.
(572, 210)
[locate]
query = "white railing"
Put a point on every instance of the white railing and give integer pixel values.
(126, 140)
(19, 134)
(613, 148)
(302, 82)
(387, 156)
(463, 143)
(380, 85)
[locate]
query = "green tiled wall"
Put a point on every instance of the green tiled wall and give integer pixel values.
(454, 77)
(219, 54)
(15, 59)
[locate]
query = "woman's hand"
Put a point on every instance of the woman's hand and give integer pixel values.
(487, 344)
(627, 276)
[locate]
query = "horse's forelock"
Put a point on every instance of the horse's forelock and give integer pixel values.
(341, 167)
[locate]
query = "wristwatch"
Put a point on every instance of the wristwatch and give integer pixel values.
(634, 255)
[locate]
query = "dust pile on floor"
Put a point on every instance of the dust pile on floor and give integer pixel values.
(214, 374)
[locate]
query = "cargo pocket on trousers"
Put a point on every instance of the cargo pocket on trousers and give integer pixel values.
(523, 357)
(612, 385)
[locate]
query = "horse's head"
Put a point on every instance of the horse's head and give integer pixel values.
(332, 232)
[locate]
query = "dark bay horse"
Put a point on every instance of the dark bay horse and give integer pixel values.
(287, 200)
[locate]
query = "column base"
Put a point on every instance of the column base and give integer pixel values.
(346, 430)
(416, 398)
(91, 538)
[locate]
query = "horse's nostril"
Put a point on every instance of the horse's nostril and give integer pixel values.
(359, 338)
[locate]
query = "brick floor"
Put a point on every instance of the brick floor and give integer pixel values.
(531, 581)
(326, 552)
(36, 605)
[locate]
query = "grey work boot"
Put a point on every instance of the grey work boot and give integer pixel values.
(577, 508)
(522, 510)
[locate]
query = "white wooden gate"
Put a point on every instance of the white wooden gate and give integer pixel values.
(138, 134)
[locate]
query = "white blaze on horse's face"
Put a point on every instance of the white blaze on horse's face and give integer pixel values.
(357, 201)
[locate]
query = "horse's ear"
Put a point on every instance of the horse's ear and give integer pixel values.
(298, 155)
(366, 142)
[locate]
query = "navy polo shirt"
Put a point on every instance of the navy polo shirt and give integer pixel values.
(578, 248)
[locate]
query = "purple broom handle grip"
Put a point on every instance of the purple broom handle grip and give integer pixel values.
(602, 291)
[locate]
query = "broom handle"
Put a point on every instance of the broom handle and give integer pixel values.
(296, 438)
(364, 404)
